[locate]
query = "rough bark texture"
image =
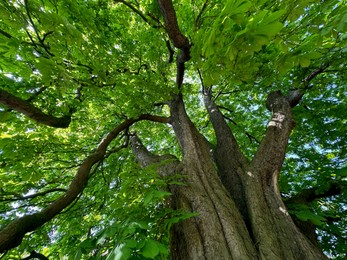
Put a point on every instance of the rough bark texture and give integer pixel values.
(240, 212)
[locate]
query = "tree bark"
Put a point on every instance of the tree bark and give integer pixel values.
(32, 112)
(240, 214)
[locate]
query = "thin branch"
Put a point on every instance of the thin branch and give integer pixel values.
(37, 93)
(225, 108)
(41, 40)
(24, 107)
(32, 196)
(295, 96)
(314, 74)
(6, 34)
(229, 119)
(171, 51)
(137, 11)
(197, 20)
(252, 137)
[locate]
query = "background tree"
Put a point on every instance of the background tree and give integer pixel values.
(122, 120)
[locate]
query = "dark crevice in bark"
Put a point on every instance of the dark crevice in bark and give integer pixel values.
(307, 228)
(24, 107)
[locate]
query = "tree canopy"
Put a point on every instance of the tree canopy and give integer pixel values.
(83, 84)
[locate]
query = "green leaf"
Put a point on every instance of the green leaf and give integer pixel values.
(4, 116)
(78, 254)
(150, 249)
(304, 61)
(121, 252)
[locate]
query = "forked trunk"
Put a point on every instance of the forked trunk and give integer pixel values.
(240, 214)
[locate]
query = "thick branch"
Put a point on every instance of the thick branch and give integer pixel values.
(179, 40)
(32, 112)
(228, 155)
(269, 157)
(225, 137)
(146, 157)
(171, 24)
(307, 196)
(187, 134)
(12, 235)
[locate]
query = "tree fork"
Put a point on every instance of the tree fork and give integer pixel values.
(211, 234)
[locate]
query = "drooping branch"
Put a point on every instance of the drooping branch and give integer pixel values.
(24, 107)
(12, 235)
(179, 40)
(270, 155)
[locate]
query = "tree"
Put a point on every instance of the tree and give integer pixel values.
(122, 120)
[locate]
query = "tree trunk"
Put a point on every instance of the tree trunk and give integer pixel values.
(240, 214)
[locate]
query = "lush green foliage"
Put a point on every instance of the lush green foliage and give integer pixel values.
(103, 61)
